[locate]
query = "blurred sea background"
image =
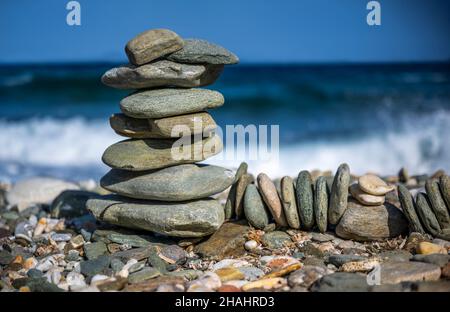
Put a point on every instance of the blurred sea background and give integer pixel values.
(376, 117)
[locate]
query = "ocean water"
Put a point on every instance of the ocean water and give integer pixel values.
(377, 118)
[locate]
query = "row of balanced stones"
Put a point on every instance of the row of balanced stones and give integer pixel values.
(157, 184)
(355, 210)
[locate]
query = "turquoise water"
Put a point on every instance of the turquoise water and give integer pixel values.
(54, 119)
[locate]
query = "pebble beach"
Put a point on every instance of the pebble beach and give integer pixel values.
(154, 222)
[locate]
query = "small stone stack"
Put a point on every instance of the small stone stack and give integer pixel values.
(157, 184)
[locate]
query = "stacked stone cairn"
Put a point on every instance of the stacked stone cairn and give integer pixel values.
(157, 184)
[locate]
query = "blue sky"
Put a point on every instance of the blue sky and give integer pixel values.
(256, 30)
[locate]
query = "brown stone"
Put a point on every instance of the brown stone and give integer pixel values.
(270, 196)
(397, 272)
(228, 241)
(153, 284)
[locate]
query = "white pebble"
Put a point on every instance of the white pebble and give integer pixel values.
(250, 245)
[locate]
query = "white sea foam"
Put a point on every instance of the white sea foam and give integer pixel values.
(73, 148)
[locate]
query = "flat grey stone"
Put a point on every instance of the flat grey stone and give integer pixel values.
(158, 103)
(143, 275)
(199, 124)
(255, 209)
(176, 183)
(438, 259)
(341, 282)
(148, 154)
(161, 74)
(152, 44)
(408, 207)
(339, 260)
(182, 219)
(397, 272)
(304, 191)
(197, 51)
(339, 194)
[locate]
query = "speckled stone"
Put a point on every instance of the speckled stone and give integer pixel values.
(444, 186)
(426, 214)
(152, 44)
(407, 203)
(161, 74)
(304, 191)
(182, 219)
(321, 194)
(176, 183)
(198, 124)
(255, 210)
(159, 103)
(287, 194)
(196, 51)
(339, 194)
(365, 223)
(437, 203)
(148, 154)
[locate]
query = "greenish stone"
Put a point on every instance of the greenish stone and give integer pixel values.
(187, 274)
(177, 183)
(143, 275)
(156, 262)
(305, 199)
(276, 239)
(242, 169)
(5, 257)
(241, 185)
(181, 219)
(255, 209)
(321, 195)
(426, 214)
(407, 203)
(148, 154)
(437, 203)
(95, 266)
(339, 194)
(94, 250)
(197, 51)
(131, 240)
(71, 204)
(444, 185)
(230, 203)
(42, 285)
(161, 74)
(287, 195)
(158, 103)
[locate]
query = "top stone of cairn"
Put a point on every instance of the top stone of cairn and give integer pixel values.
(152, 44)
(196, 51)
